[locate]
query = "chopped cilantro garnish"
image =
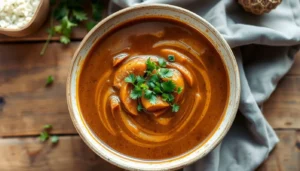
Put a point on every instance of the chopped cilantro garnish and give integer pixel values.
(151, 65)
(179, 90)
(168, 98)
(168, 86)
(165, 73)
(130, 79)
(175, 108)
(153, 84)
(139, 107)
(162, 62)
(136, 93)
(171, 58)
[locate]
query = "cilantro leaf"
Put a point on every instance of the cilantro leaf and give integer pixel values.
(90, 24)
(67, 24)
(171, 58)
(168, 86)
(154, 78)
(152, 99)
(50, 80)
(43, 136)
(175, 108)
(139, 107)
(79, 15)
(130, 79)
(150, 95)
(64, 39)
(54, 139)
(157, 89)
(168, 98)
(144, 87)
(60, 11)
(140, 80)
(58, 28)
(97, 8)
(150, 65)
(151, 84)
(162, 62)
(179, 90)
(136, 93)
(165, 73)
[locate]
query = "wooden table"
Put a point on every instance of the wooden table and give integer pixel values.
(26, 105)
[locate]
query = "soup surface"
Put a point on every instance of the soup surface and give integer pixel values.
(153, 89)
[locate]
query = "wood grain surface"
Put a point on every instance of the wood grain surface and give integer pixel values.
(70, 154)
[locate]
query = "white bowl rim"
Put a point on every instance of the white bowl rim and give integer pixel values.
(86, 135)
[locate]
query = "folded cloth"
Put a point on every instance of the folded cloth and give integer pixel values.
(264, 47)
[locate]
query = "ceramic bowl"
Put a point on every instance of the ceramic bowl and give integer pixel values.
(35, 23)
(142, 11)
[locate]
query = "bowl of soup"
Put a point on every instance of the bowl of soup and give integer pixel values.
(153, 87)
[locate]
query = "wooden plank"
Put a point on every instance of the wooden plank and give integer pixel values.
(28, 154)
(286, 155)
(24, 154)
(282, 110)
(28, 104)
(295, 70)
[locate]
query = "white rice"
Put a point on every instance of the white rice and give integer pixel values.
(15, 14)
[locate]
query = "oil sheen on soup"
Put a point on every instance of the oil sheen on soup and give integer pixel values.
(153, 89)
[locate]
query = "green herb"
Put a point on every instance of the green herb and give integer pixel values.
(70, 14)
(43, 136)
(137, 92)
(54, 139)
(80, 15)
(144, 86)
(139, 107)
(130, 79)
(151, 65)
(140, 80)
(179, 90)
(168, 86)
(168, 98)
(175, 108)
(48, 126)
(152, 84)
(165, 73)
(162, 62)
(171, 58)
(150, 95)
(51, 33)
(97, 9)
(90, 25)
(50, 80)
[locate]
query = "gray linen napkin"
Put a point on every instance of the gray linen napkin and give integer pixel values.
(264, 47)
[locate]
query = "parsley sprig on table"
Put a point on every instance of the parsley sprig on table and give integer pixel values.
(153, 84)
(70, 14)
(44, 135)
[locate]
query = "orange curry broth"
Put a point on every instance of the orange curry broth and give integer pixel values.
(146, 136)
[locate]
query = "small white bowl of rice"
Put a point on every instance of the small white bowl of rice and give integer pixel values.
(22, 17)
